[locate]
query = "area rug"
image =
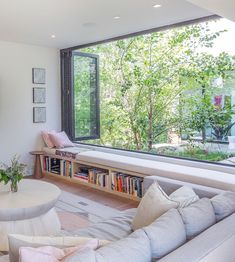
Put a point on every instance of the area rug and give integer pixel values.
(78, 212)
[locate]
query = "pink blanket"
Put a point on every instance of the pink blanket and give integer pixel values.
(53, 254)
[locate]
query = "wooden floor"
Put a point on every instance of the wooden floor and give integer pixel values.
(98, 196)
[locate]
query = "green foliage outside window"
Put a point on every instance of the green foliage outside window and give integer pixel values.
(158, 84)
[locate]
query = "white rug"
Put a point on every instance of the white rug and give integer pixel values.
(83, 207)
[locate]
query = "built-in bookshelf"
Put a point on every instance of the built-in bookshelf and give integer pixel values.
(127, 184)
(57, 166)
(91, 175)
(118, 182)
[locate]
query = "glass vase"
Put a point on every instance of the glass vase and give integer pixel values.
(14, 186)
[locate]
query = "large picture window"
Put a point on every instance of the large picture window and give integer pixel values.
(168, 92)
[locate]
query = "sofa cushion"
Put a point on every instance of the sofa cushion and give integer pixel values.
(171, 185)
(134, 248)
(154, 203)
(18, 241)
(111, 229)
(216, 244)
(224, 205)
(166, 233)
(197, 217)
(184, 196)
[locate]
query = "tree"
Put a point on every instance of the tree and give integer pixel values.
(147, 84)
(200, 112)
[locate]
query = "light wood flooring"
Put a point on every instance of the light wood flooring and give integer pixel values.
(70, 221)
(98, 196)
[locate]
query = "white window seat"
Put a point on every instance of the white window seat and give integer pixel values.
(195, 175)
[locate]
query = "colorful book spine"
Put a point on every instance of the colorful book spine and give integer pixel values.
(127, 184)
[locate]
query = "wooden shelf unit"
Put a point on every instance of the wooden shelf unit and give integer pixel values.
(110, 179)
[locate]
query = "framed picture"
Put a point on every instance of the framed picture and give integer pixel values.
(39, 114)
(39, 76)
(39, 95)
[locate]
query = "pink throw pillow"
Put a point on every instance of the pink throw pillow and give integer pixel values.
(47, 139)
(60, 140)
(53, 254)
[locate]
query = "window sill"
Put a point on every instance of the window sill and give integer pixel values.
(225, 168)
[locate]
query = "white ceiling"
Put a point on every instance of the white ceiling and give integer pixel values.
(76, 22)
(225, 8)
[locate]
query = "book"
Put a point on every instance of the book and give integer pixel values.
(127, 184)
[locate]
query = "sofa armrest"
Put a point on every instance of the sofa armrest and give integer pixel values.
(216, 244)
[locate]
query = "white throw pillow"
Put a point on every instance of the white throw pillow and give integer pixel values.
(185, 196)
(154, 203)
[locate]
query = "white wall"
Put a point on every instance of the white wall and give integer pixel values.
(18, 133)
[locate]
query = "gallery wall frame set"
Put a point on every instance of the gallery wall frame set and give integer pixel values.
(39, 114)
(39, 76)
(39, 95)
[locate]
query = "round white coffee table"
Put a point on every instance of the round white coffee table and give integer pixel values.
(30, 211)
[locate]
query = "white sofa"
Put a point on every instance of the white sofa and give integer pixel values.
(216, 244)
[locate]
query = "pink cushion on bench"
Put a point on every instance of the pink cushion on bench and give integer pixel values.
(47, 139)
(60, 140)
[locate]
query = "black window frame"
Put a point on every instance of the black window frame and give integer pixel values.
(67, 94)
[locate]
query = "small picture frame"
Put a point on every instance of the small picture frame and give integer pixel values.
(39, 75)
(39, 95)
(39, 114)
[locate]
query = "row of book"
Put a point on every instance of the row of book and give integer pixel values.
(127, 184)
(93, 176)
(119, 182)
(57, 166)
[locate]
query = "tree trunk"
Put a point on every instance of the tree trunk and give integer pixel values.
(135, 133)
(150, 129)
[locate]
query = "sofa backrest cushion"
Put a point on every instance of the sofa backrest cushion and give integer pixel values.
(224, 205)
(216, 244)
(197, 217)
(166, 233)
(154, 203)
(170, 185)
(134, 248)
(185, 196)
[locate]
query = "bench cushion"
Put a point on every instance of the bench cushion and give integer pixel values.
(195, 175)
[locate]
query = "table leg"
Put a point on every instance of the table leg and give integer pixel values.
(37, 168)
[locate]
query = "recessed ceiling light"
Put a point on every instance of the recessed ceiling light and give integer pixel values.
(157, 6)
(116, 17)
(53, 36)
